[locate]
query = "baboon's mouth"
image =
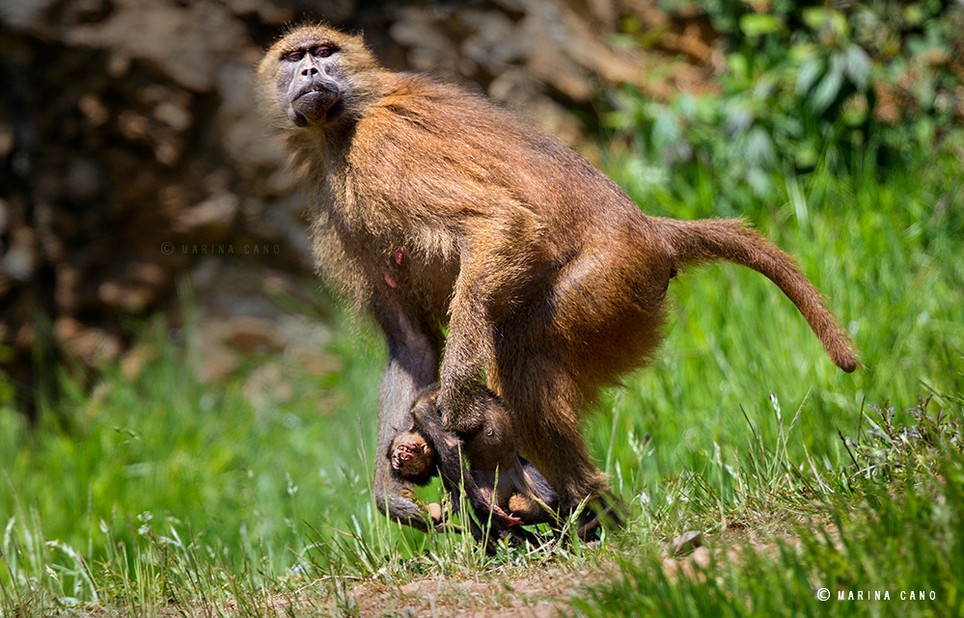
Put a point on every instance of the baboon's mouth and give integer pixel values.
(314, 103)
(329, 89)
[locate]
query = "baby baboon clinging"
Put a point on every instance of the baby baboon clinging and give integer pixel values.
(432, 207)
(505, 484)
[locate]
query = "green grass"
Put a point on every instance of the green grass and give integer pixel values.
(884, 538)
(163, 495)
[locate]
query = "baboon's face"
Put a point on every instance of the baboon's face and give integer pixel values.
(411, 455)
(315, 75)
(311, 82)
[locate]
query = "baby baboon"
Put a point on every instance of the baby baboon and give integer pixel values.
(501, 482)
(433, 207)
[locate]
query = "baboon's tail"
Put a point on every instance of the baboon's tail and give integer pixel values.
(710, 240)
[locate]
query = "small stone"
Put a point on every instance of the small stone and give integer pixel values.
(687, 542)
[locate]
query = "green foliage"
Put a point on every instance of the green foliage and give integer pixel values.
(807, 84)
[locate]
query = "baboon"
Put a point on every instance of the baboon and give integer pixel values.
(507, 485)
(433, 207)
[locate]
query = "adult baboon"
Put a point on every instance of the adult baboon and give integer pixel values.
(432, 207)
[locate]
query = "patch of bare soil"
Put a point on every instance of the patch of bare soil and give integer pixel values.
(539, 594)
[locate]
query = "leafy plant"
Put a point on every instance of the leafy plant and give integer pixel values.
(807, 86)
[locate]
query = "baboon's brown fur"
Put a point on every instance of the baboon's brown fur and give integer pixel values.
(433, 206)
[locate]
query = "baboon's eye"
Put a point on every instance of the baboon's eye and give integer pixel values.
(323, 51)
(293, 56)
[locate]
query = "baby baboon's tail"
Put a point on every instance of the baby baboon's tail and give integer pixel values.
(710, 240)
